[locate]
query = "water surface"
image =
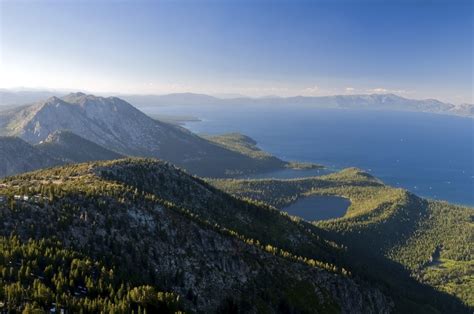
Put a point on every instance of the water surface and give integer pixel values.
(288, 174)
(317, 207)
(431, 155)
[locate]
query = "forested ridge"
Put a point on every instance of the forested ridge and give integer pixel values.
(432, 240)
(164, 231)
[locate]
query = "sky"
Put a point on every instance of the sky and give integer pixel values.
(413, 48)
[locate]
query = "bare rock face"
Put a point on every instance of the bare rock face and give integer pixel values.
(118, 126)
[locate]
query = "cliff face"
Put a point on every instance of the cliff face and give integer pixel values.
(166, 240)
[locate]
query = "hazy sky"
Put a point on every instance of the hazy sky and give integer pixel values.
(419, 49)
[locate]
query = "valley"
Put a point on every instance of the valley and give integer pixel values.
(236, 157)
(176, 242)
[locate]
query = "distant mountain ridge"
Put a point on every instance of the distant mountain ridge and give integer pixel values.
(371, 102)
(360, 101)
(15, 97)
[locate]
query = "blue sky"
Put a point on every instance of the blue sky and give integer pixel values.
(418, 49)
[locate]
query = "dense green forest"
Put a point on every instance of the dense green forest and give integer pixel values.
(36, 275)
(431, 239)
(159, 229)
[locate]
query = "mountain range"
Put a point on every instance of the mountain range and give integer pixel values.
(99, 231)
(364, 101)
(118, 127)
(368, 102)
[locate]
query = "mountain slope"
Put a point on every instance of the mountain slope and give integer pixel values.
(10, 97)
(43, 275)
(140, 217)
(432, 240)
(17, 156)
(72, 148)
(118, 126)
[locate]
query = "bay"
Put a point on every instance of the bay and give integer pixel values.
(429, 154)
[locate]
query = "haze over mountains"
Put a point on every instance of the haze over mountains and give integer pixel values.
(109, 128)
(370, 102)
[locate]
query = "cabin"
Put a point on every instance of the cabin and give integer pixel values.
(24, 198)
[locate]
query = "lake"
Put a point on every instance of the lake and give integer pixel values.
(315, 207)
(431, 155)
(287, 174)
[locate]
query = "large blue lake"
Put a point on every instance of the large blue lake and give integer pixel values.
(429, 154)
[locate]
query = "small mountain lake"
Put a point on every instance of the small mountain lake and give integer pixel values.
(317, 207)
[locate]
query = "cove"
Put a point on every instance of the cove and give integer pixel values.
(317, 207)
